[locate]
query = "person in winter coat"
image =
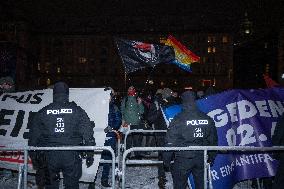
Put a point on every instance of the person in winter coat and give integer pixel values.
(112, 135)
(7, 85)
(164, 98)
(62, 123)
(132, 110)
(190, 127)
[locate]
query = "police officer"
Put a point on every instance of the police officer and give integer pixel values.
(62, 123)
(190, 127)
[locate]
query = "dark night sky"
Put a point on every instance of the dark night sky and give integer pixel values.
(265, 14)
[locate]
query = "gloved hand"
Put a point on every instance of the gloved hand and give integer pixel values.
(107, 129)
(38, 159)
(210, 160)
(89, 161)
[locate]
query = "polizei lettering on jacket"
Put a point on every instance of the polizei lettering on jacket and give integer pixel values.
(197, 122)
(61, 111)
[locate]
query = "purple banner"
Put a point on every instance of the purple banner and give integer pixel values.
(244, 118)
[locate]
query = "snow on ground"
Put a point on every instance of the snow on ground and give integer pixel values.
(137, 177)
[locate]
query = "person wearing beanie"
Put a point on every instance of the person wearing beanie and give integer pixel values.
(132, 110)
(112, 136)
(190, 127)
(61, 123)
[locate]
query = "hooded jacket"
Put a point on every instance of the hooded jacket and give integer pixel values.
(131, 111)
(155, 114)
(61, 123)
(190, 127)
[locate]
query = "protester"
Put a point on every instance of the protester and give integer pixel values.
(163, 99)
(7, 85)
(183, 131)
(61, 123)
(112, 135)
(147, 100)
(278, 140)
(131, 110)
(210, 91)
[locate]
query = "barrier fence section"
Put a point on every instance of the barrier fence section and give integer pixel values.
(75, 148)
(200, 148)
(140, 131)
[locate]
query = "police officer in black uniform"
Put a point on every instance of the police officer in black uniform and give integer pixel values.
(62, 123)
(190, 127)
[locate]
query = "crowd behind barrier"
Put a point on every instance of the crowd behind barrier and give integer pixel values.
(129, 132)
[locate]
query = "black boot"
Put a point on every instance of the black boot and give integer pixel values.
(162, 182)
(105, 183)
(91, 185)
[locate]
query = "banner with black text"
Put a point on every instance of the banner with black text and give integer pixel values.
(16, 110)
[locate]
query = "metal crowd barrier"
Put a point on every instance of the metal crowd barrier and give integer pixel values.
(203, 148)
(81, 148)
(140, 131)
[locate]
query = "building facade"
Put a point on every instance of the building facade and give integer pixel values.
(280, 73)
(93, 61)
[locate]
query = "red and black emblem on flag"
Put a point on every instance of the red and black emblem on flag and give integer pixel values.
(137, 55)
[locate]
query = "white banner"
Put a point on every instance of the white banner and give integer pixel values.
(16, 108)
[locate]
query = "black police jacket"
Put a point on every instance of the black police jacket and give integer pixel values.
(61, 124)
(190, 127)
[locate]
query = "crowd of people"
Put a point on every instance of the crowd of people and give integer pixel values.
(135, 110)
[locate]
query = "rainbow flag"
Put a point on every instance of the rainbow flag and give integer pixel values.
(183, 56)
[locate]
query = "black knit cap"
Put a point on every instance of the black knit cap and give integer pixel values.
(188, 97)
(60, 88)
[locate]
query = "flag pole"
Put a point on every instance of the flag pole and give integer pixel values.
(125, 80)
(149, 75)
(125, 74)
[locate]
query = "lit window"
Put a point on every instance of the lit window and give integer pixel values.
(151, 82)
(209, 40)
(38, 66)
(225, 39)
(209, 50)
(58, 70)
(267, 68)
(206, 82)
(82, 60)
(48, 82)
(163, 40)
(214, 49)
(47, 66)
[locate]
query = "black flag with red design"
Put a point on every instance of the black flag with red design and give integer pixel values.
(136, 55)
